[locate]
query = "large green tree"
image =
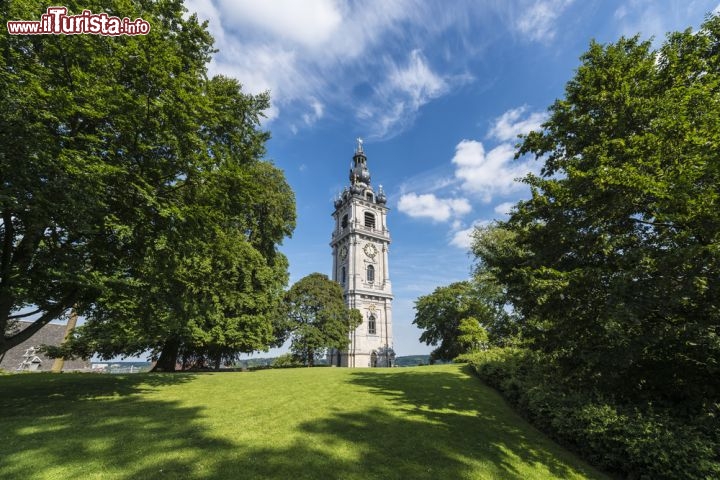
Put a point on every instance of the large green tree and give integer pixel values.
(132, 188)
(318, 318)
(453, 318)
(614, 262)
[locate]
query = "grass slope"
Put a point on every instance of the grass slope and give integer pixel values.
(325, 423)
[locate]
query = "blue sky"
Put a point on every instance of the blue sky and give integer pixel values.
(438, 90)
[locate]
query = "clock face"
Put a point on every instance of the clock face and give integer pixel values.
(370, 250)
(343, 252)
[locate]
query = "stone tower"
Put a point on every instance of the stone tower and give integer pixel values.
(360, 244)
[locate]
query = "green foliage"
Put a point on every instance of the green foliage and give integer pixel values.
(612, 266)
(473, 336)
(93, 131)
(644, 442)
(286, 361)
(318, 318)
(151, 211)
(613, 263)
(441, 314)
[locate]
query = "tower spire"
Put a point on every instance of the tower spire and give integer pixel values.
(359, 173)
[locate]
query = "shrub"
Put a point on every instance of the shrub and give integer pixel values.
(286, 361)
(639, 441)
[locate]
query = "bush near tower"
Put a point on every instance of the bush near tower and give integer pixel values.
(317, 318)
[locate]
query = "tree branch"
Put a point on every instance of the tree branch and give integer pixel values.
(6, 343)
(24, 251)
(23, 315)
(655, 224)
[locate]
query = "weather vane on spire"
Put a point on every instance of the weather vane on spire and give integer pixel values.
(360, 145)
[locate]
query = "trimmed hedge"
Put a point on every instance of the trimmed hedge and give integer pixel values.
(638, 441)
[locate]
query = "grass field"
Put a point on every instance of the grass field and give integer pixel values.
(323, 423)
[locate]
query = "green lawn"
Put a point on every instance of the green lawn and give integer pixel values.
(323, 423)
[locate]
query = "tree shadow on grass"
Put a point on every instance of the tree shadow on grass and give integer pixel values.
(410, 424)
(99, 426)
(457, 422)
(427, 425)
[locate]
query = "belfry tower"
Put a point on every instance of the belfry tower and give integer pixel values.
(360, 244)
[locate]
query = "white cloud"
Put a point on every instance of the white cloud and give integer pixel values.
(308, 23)
(463, 238)
(537, 22)
(271, 113)
(480, 174)
(378, 61)
(504, 208)
(318, 110)
(650, 19)
(251, 64)
(495, 172)
(206, 9)
(488, 173)
(621, 12)
(509, 125)
(429, 206)
(348, 56)
(417, 80)
(405, 90)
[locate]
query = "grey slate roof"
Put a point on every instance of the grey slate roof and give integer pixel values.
(50, 334)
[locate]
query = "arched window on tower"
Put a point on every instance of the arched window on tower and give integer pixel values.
(372, 325)
(369, 196)
(342, 276)
(344, 222)
(369, 220)
(370, 274)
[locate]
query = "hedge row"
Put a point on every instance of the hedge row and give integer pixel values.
(637, 441)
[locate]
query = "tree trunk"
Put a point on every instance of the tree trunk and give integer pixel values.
(168, 356)
(185, 362)
(72, 321)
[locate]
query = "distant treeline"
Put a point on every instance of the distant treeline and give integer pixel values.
(406, 361)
